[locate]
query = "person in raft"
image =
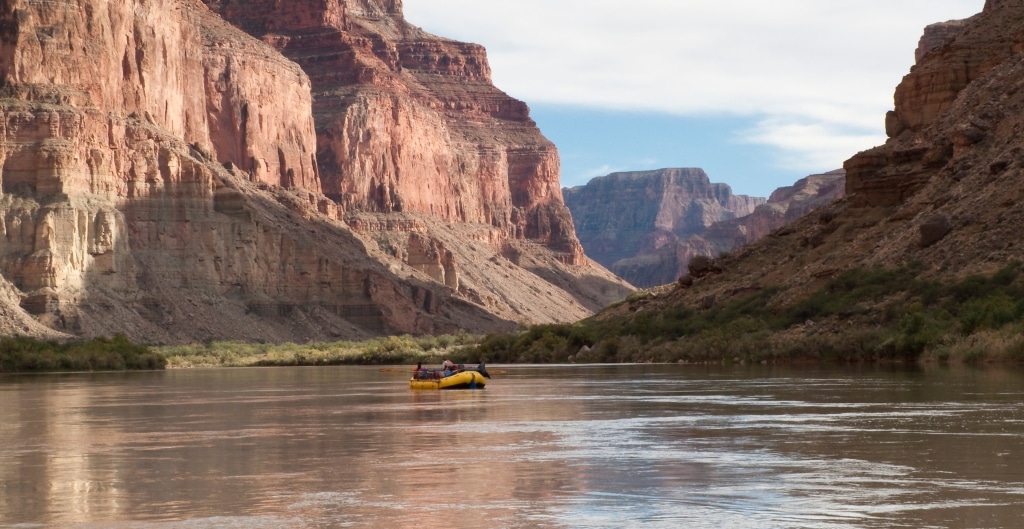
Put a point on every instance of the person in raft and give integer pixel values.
(448, 367)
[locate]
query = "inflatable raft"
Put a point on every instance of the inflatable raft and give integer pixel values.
(461, 379)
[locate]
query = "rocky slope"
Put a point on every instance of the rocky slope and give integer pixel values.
(680, 214)
(942, 195)
(162, 177)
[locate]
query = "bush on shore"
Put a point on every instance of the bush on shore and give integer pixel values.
(390, 350)
(862, 315)
(20, 354)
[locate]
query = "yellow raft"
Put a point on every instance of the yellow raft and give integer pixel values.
(460, 380)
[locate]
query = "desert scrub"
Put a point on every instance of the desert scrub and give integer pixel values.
(862, 315)
(378, 351)
(986, 346)
(19, 354)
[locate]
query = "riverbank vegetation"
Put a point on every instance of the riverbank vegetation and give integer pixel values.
(862, 315)
(392, 350)
(19, 354)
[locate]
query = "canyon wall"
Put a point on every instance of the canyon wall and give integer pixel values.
(166, 64)
(963, 54)
(647, 226)
(109, 104)
(161, 177)
(952, 160)
(624, 219)
(410, 122)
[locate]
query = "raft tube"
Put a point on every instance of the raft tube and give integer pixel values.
(460, 380)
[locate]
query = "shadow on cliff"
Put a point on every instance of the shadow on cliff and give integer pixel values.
(590, 288)
(257, 263)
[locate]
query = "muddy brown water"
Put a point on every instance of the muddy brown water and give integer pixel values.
(542, 446)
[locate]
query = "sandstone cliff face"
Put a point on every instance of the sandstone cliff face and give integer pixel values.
(169, 64)
(623, 214)
(785, 205)
(91, 101)
(667, 259)
(935, 35)
(159, 178)
(409, 122)
(889, 174)
(964, 137)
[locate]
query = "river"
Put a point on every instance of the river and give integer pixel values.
(651, 446)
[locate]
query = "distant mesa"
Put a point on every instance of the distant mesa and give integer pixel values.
(646, 226)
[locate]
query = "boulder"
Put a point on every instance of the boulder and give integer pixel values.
(934, 229)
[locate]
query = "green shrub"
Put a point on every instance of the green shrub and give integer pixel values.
(23, 354)
(866, 314)
(990, 312)
(973, 356)
(378, 351)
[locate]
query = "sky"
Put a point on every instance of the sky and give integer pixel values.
(759, 94)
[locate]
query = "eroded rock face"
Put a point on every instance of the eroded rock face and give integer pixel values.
(664, 263)
(934, 229)
(169, 64)
(936, 35)
(432, 258)
(889, 174)
(159, 178)
(97, 105)
(646, 226)
(409, 122)
(623, 214)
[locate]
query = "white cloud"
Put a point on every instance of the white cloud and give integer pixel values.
(602, 170)
(806, 146)
(818, 75)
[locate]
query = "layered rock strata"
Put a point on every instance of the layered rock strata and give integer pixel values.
(409, 122)
(98, 104)
(624, 214)
(699, 226)
(785, 205)
(159, 178)
(936, 35)
(889, 174)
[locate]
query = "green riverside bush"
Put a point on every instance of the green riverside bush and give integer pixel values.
(389, 350)
(863, 315)
(20, 354)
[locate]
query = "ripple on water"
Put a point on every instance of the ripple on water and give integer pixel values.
(543, 447)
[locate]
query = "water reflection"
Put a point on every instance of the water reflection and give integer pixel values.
(598, 446)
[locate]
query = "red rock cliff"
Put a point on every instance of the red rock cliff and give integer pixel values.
(167, 63)
(98, 104)
(410, 122)
(693, 217)
(889, 174)
(623, 215)
(158, 177)
(936, 35)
